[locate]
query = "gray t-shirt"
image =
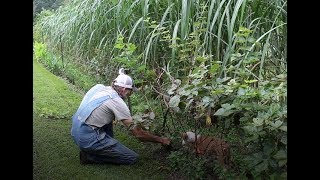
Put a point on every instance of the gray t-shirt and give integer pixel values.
(112, 109)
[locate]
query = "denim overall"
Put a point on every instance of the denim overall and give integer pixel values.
(98, 143)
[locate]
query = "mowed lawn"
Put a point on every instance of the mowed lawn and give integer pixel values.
(55, 156)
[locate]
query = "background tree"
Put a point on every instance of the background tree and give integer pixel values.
(39, 5)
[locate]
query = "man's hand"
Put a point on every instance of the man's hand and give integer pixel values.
(166, 141)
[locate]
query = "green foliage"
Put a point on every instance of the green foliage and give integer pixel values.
(199, 167)
(40, 5)
(145, 119)
(264, 123)
(51, 61)
(127, 59)
(189, 165)
(261, 104)
(78, 77)
(45, 84)
(74, 74)
(40, 51)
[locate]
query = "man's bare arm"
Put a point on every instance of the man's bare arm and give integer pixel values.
(142, 135)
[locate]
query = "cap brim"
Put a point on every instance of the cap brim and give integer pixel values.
(134, 89)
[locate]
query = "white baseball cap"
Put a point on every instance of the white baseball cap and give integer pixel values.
(124, 80)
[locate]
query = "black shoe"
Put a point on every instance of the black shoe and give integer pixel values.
(83, 158)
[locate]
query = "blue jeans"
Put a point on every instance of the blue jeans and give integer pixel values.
(99, 144)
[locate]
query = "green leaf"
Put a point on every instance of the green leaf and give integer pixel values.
(119, 46)
(174, 101)
(250, 81)
(282, 162)
(184, 92)
(172, 89)
(152, 115)
(273, 163)
(241, 91)
(188, 103)
(201, 59)
(241, 39)
(177, 82)
(257, 121)
(228, 112)
(251, 39)
(142, 68)
(262, 166)
(220, 112)
(250, 129)
(284, 139)
(227, 106)
(268, 149)
(219, 80)
(281, 154)
(223, 112)
(195, 93)
(251, 160)
(276, 124)
(253, 138)
(217, 92)
(244, 119)
(206, 100)
(137, 117)
(258, 156)
(131, 47)
(283, 128)
(281, 76)
(214, 68)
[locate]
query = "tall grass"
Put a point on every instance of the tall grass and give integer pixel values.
(89, 28)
